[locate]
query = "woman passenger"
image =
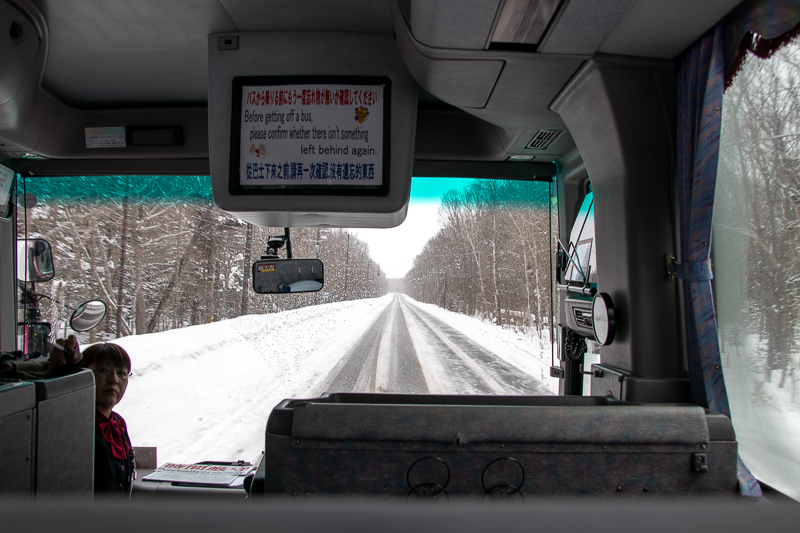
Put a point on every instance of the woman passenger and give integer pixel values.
(113, 454)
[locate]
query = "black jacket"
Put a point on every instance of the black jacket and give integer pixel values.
(111, 474)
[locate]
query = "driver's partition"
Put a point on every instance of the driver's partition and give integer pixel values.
(444, 446)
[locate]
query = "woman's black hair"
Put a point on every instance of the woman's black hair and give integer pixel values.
(106, 352)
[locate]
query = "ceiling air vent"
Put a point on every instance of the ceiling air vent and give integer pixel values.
(542, 139)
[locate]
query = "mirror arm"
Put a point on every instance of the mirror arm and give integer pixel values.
(288, 243)
(30, 293)
(569, 257)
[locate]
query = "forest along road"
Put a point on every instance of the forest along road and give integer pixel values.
(407, 350)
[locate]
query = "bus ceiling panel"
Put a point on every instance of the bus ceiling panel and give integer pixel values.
(455, 134)
(19, 46)
(69, 133)
(454, 24)
(511, 90)
(116, 52)
(654, 28)
(456, 77)
(111, 167)
(478, 24)
(25, 109)
(352, 16)
(505, 170)
(581, 26)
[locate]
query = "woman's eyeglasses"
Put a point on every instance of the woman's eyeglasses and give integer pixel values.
(106, 372)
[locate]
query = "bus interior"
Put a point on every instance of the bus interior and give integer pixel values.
(593, 128)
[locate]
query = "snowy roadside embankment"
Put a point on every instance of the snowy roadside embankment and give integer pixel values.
(205, 392)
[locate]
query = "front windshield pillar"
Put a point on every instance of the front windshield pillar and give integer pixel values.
(626, 144)
(8, 301)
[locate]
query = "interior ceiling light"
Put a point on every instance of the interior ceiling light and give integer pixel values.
(524, 21)
(520, 158)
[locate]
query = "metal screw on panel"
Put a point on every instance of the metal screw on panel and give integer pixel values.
(619, 489)
(644, 489)
(717, 367)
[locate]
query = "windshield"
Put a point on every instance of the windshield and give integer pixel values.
(456, 300)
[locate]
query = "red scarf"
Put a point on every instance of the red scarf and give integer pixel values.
(113, 431)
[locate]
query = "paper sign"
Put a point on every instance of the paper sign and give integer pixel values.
(199, 474)
(105, 137)
(311, 134)
(6, 180)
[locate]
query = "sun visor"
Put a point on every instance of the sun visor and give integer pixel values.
(311, 129)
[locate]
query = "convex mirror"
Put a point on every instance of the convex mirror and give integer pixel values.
(273, 276)
(34, 261)
(88, 315)
(604, 322)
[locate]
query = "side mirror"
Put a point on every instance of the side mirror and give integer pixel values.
(34, 261)
(88, 315)
(276, 276)
(604, 320)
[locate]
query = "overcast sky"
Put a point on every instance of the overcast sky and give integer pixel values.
(394, 249)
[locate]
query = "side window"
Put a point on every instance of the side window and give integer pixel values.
(756, 255)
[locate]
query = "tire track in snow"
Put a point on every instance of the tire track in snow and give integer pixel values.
(490, 373)
(408, 350)
(382, 360)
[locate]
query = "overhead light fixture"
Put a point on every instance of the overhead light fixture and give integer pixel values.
(520, 158)
(523, 21)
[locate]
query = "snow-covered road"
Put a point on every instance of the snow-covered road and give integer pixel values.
(205, 392)
(407, 349)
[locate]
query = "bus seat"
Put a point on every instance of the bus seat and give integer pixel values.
(416, 445)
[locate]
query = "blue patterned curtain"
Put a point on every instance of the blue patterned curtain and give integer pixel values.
(755, 25)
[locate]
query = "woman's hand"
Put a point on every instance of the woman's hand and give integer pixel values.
(60, 357)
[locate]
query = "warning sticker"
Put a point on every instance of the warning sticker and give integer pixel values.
(311, 134)
(267, 267)
(105, 137)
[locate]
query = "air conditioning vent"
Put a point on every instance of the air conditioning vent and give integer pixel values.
(542, 139)
(583, 317)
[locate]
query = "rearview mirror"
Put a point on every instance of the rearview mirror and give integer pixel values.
(88, 315)
(34, 261)
(274, 276)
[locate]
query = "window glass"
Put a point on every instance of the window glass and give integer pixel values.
(455, 300)
(756, 258)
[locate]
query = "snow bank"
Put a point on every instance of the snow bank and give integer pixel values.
(205, 392)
